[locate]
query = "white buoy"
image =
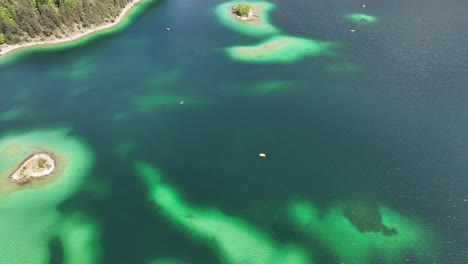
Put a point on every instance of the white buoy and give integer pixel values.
(352, 30)
(168, 29)
(181, 102)
(364, 6)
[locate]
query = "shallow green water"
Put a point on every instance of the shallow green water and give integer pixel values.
(366, 143)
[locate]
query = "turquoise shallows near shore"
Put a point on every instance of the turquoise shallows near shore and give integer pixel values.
(361, 18)
(28, 214)
(233, 239)
(336, 232)
(280, 49)
(260, 26)
(20, 53)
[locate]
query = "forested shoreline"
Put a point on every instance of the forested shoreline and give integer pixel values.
(24, 21)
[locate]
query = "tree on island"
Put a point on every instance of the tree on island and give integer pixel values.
(33, 20)
(242, 10)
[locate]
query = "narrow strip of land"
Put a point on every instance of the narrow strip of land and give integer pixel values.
(74, 37)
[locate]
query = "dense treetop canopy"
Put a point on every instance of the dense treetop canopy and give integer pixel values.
(242, 10)
(25, 20)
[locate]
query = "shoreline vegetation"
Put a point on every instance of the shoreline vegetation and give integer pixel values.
(243, 12)
(7, 49)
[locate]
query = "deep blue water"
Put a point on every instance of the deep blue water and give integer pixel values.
(393, 132)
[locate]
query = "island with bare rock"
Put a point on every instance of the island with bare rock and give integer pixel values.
(43, 159)
(36, 167)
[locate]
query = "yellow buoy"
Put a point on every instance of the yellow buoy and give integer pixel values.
(262, 155)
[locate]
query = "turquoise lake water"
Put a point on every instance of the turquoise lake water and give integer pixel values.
(366, 146)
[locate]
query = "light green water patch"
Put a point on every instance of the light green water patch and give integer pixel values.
(156, 99)
(28, 212)
(18, 54)
(164, 79)
(280, 49)
(361, 18)
(124, 148)
(12, 114)
(20, 96)
(80, 239)
(271, 87)
(120, 116)
(80, 90)
(158, 95)
(77, 70)
(390, 237)
(28, 235)
(234, 239)
(265, 88)
(260, 26)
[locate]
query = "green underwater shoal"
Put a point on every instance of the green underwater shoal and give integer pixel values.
(158, 95)
(358, 234)
(355, 233)
(28, 213)
(280, 49)
(262, 88)
(362, 18)
(127, 19)
(12, 114)
(233, 239)
(259, 27)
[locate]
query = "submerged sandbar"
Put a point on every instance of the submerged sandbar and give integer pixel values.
(37, 166)
(256, 24)
(279, 49)
(362, 18)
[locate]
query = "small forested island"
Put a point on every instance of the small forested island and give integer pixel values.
(31, 22)
(250, 18)
(35, 167)
(243, 11)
